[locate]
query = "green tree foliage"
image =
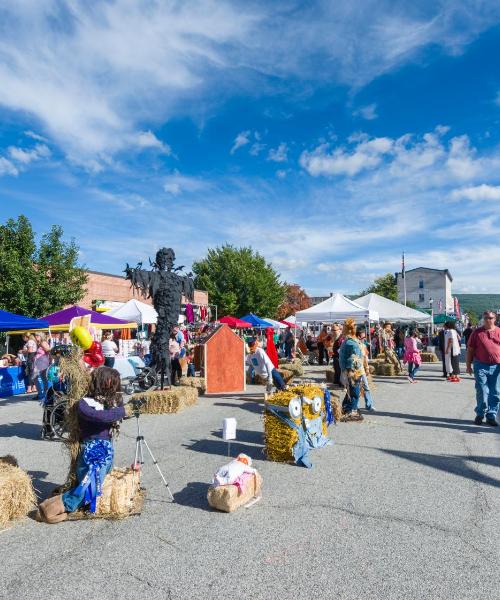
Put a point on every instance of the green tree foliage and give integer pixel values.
(36, 279)
(383, 286)
(239, 281)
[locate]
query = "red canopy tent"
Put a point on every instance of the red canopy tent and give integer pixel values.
(235, 323)
(291, 325)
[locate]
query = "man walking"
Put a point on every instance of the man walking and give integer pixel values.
(483, 354)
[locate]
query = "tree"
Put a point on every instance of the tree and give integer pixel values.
(295, 299)
(383, 286)
(239, 281)
(38, 279)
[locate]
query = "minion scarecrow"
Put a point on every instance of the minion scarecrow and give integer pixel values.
(296, 420)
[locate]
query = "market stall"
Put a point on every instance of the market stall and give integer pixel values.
(336, 308)
(388, 310)
(12, 376)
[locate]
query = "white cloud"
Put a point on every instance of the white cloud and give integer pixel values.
(278, 154)
(7, 167)
(281, 173)
(461, 160)
(478, 192)
(256, 149)
(35, 136)
(366, 155)
(368, 112)
(25, 156)
(90, 73)
(242, 139)
(177, 183)
(147, 139)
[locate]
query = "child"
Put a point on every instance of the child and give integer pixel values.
(98, 415)
(412, 355)
(190, 364)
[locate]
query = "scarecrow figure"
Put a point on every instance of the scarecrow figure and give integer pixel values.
(165, 287)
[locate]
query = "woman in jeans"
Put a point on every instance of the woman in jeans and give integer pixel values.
(41, 365)
(412, 355)
(29, 351)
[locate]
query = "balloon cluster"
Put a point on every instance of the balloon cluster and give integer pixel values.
(92, 351)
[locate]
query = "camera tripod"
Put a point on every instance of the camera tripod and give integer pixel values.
(140, 443)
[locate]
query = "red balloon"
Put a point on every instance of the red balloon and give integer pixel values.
(93, 356)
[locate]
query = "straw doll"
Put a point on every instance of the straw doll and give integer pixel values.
(98, 416)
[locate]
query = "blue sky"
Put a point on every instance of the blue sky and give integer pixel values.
(328, 136)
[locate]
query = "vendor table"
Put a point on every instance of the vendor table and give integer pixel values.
(11, 381)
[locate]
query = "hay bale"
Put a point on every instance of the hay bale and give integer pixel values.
(227, 497)
(279, 438)
(121, 497)
(159, 402)
(196, 382)
(429, 357)
(286, 374)
(336, 407)
(386, 370)
(118, 491)
(295, 366)
(17, 497)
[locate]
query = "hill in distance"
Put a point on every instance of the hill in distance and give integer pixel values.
(478, 303)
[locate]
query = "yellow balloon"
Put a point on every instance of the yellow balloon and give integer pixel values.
(81, 337)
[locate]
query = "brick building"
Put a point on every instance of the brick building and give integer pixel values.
(104, 287)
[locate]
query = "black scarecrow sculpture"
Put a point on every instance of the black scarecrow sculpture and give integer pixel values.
(165, 287)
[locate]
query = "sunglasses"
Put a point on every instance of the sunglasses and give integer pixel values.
(488, 318)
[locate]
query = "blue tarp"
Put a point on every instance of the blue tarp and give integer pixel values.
(11, 322)
(256, 321)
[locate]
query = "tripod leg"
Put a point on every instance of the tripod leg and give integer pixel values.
(155, 462)
(136, 458)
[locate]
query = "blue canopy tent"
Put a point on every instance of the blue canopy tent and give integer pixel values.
(11, 322)
(12, 378)
(256, 321)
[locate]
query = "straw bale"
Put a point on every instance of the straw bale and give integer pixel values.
(160, 402)
(286, 374)
(227, 497)
(429, 357)
(121, 497)
(17, 497)
(118, 490)
(196, 382)
(295, 366)
(386, 370)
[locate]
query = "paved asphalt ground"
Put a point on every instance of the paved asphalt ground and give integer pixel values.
(403, 505)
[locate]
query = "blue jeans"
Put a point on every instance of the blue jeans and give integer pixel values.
(487, 389)
(368, 394)
(73, 499)
(42, 385)
(278, 380)
(351, 399)
(413, 370)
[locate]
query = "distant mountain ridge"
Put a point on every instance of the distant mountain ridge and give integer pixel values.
(478, 302)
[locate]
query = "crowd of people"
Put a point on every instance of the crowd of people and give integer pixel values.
(347, 349)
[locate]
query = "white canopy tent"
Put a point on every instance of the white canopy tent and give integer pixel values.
(389, 310)
(336, 308)
(134, 310)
